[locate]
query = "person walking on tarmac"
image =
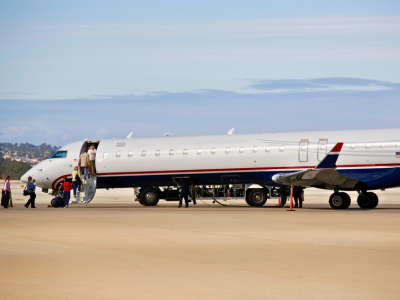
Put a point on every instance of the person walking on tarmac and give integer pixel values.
(31, 191)
(184, 192)
(66, 186)
(6, 192)
(283, 195)
(297, 190)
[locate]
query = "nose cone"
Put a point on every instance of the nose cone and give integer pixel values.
(24, 178)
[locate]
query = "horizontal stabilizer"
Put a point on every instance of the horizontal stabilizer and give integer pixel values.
(329, 162)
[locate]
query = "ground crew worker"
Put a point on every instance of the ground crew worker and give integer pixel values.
(84, 162)
(31, 190)
(66, 186)
(184, 192)
(283, 195)
(297, 190)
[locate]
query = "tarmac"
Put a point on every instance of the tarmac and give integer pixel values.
(117, 249)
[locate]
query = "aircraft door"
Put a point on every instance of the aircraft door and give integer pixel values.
(303, 151)
(322, 149)
(89, 185)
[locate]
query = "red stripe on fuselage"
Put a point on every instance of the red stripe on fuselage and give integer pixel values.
(54, 182)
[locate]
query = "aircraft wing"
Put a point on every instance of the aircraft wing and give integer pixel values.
(323, 174)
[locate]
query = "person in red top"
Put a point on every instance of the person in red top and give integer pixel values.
(66, 186)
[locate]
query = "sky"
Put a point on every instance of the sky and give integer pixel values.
(71, 70)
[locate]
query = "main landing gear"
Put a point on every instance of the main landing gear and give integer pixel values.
(340, 200)
(149, 197)
(367, 200)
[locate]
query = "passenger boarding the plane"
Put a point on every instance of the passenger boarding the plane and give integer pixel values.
(92, 157)
(76, 181)
(84, 162)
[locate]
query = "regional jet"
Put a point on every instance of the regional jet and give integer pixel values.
(346, 160)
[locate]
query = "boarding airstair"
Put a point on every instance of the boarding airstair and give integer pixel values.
(89, 190)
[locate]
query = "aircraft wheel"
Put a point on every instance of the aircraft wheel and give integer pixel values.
(149, 197)
(257, 197)
(367, 200)
(375, 199)
(338, 200)
(348, 200)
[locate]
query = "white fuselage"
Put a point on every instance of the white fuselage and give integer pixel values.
(242, 158)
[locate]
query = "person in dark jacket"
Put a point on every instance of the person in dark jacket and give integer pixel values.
(31, 190)
(283, 195)
(297, 190)
(184, 192)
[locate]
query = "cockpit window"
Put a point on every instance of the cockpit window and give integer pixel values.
(58, 154)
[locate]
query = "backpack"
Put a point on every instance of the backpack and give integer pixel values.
(77, 178)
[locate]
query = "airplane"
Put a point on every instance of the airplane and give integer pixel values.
(343, 160)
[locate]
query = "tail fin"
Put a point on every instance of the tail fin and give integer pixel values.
(329, 162)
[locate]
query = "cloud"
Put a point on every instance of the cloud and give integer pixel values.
(322, 84)
(14, 132)
(302, 26)
(204, 112)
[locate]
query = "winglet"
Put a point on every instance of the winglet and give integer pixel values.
(129, 135)
(329, 162)
(231, 131)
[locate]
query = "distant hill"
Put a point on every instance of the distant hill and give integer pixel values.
(25, 152)
(13, 168)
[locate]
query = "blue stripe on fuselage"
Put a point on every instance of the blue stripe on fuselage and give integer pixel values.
(374, 178)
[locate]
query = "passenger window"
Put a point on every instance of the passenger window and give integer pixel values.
(353, 146)
(228, 150)
(241, 150)
(367, 145)
(143, 153)
(398, 145)
(267, 149)
(157, 152)
(383, 145)
(118, 154)
(105, 155)
(255, 149)
(199, 151)
(213, 150)
(185, 152)
(282, 148)
(321, 147)
(130, 154)
(171, 152)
